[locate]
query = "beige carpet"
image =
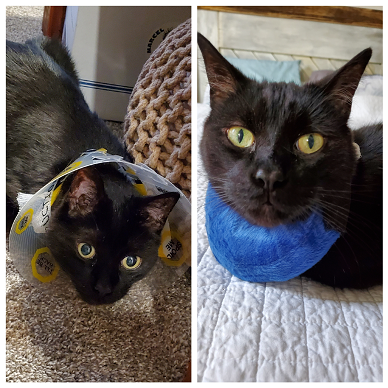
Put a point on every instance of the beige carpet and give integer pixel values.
(51, 339)
(64, 340)
(22, 23)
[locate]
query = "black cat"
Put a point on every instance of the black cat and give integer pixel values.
(103, 234)
(277, 152)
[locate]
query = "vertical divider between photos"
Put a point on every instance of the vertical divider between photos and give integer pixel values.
(194, 164)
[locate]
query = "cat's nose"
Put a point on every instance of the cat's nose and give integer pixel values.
(103, 289)
(269, 180)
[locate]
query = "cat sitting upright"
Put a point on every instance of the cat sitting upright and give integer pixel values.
(104, 235)
(276, 152)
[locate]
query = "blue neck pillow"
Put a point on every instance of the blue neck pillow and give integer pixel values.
(258, 254)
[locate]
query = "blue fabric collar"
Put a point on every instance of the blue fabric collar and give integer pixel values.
(259, 254)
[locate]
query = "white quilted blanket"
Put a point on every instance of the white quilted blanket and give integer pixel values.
(294, 331)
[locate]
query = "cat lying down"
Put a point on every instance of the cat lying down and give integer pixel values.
(103, 232)
(276, 153)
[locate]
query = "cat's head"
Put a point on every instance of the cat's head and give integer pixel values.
(103, 235)
(275, 152)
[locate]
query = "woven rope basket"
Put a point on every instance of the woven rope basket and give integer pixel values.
(158, 121)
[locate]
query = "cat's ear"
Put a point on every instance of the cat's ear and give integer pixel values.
(86, 191)
(154, 211)
(222, 76)
(342, 84)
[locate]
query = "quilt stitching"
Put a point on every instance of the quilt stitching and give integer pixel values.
(216, 325)
(379, 306)
(363, 325)
(261, 333)
(276, 360)
(255, 360)
(350, 337)
(358, 325)
(305, 333)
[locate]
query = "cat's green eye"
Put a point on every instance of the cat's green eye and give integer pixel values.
(131, 262)
(240, 137)
(86, 251)
(310, 143)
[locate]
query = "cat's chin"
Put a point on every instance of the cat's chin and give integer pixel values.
(267, 216)
(97, 301)
(93, 298)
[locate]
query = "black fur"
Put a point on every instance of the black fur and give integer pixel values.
(347, 191)
(48, 126)
(49, 123)
(356, 259)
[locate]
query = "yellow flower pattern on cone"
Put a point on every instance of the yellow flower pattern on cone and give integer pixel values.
(24, 221)
(68, 169)
(44, 266)
(139, 186)
(171, 249)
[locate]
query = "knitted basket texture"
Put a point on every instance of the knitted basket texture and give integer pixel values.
(157, 125)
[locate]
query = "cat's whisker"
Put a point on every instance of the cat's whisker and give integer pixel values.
(352, 227)
(326, 195)
(331, 222)
(348, 191)
(341, 211)
(364, 200)
(286, 149)
(340, 208)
